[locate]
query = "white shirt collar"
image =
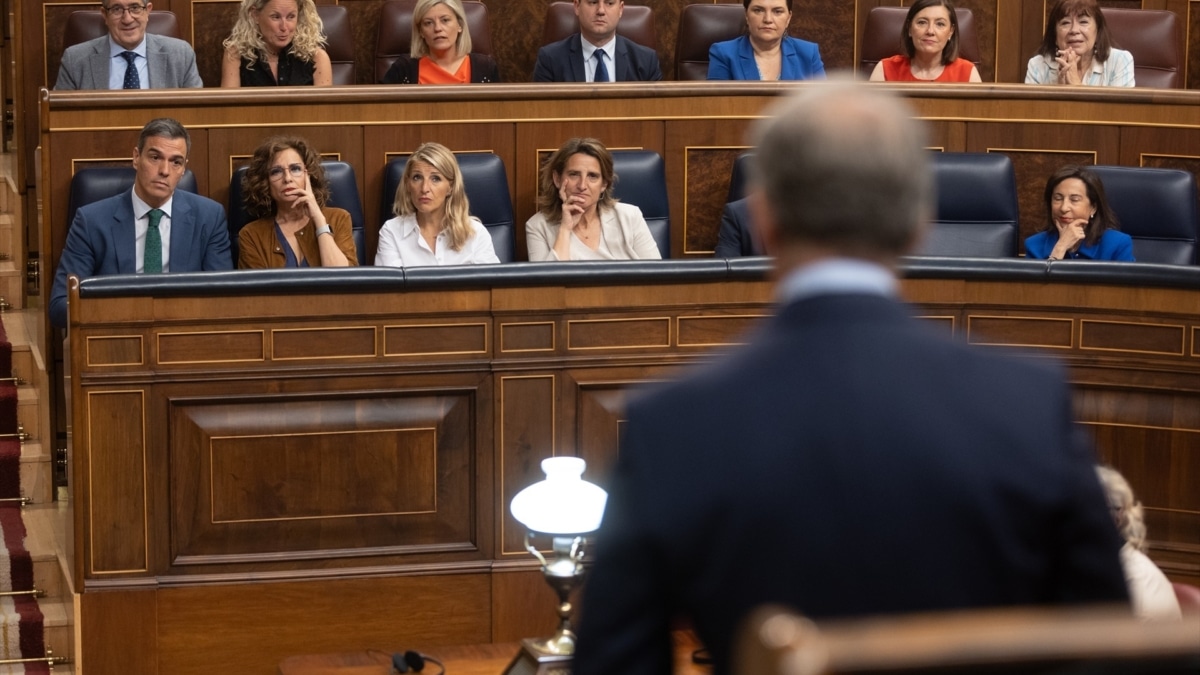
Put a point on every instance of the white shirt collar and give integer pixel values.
(141, 208)
(115, 50)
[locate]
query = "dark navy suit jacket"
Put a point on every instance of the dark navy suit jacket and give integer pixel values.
(562, 61)
(101, 241)
(734, 60)
(736, 236)
(850, 460)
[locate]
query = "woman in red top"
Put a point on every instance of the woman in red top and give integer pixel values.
(930, 42)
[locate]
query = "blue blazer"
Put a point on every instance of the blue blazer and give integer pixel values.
(736, 236)
(1113, 245)
(886, 467)
(734, 60)
(562, 61)
(101, 241)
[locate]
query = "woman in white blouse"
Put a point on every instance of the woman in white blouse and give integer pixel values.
(578, 218)
(432, 224)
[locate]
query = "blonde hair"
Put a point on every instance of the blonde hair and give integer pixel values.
(1126, 509)
(419, 48)
(247, 42)
(456, 212)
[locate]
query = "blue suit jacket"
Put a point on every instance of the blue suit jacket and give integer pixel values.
(734, 60)
(562, 61)
(1113, 245)
(101, 241)
(880, 466)
(736, 236)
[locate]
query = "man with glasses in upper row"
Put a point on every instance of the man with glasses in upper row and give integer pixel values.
(128, 57)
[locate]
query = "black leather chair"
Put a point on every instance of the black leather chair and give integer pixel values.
(1155, 38)
(486, 183)
(395, 31)
(636, 24)
(1158, 208)
(343, 194)
(881, 36)
(739, 177)
(976, 206)
(339, 41)
(100, 182)
(700, 25)
(642, 181)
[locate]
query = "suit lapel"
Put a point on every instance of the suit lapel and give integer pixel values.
(181, 234)
(746, 64)
(787, 52)
(98, 66)
(125, 235)
(622, 59)
(576, 60)
(157, 62)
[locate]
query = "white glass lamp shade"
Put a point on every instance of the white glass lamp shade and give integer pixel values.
(564, 503)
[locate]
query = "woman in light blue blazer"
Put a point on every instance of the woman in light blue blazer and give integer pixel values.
(766, 52)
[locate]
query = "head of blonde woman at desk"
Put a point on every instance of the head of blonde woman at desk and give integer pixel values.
(929, 42)
(432, 190)
(276, 42)
(440, 30)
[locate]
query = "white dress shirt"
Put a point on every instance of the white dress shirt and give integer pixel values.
(589, 60)
(401, 245)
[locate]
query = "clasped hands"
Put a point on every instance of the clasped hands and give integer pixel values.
(1068, 66)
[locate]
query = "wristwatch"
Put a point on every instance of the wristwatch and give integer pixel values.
(324, 230)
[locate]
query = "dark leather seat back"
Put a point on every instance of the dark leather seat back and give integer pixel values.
(101, 182)
(88, 24)
(699, 27)
(739, 177)
(881, 37)
(339, 42)
(1155, 38)
(976, 206)
(1158, 208)
(343, 194)
(486, 183)
(642, 182)
(395, 31)
(636, 24)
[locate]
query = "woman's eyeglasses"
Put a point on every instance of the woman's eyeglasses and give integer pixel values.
(296, 170)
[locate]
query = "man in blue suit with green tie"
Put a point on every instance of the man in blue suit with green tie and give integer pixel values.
(150, 228)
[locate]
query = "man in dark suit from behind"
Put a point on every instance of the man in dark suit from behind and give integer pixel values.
(576, 58)
(117, 235)
(736, 236)
(849, 460)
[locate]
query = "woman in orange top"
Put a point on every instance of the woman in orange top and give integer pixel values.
(930, 41)
(441, 49)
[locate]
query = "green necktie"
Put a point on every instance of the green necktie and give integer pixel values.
(152, 264)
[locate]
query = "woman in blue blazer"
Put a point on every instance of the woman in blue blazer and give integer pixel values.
(766, 52)
(1079, 222)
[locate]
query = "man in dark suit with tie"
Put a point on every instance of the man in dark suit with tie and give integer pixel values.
(150, 228)
(128, 57)
(596, 53)
(849, 460)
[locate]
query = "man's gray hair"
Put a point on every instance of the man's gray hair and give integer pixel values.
(844, 165)
(164, 127)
